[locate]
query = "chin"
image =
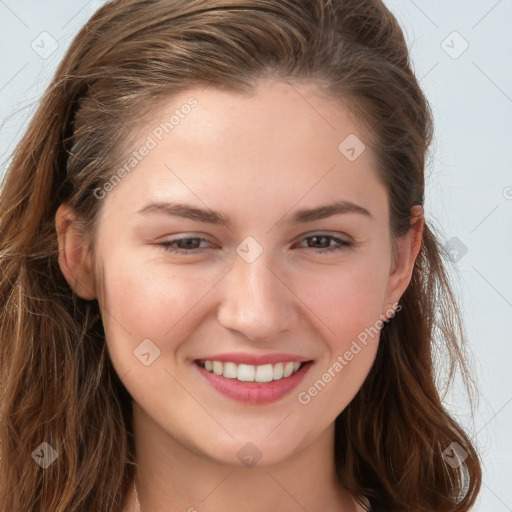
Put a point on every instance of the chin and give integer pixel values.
(250, 450)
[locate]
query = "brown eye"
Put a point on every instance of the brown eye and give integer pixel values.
(321, 239)
(189, 245)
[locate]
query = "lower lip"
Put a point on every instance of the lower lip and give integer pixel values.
(254, 392)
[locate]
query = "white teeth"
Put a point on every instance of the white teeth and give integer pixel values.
(218, 367)
(264, 373)
(251, 373)
(230, 370)
(288, 369)
(246, 372)
(278, 371)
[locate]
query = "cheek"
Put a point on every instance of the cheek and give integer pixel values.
(347, 298)
(349, 303)
(150, 300)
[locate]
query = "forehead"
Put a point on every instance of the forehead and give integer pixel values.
(282, 145)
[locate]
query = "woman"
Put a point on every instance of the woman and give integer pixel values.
(171, 336)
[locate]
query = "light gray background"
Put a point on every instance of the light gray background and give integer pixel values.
(469, 187)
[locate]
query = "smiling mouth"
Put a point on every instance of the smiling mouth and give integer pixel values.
(257, 384)
(251, 373)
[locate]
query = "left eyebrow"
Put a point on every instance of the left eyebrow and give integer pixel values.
(322, 212)
(213, 217)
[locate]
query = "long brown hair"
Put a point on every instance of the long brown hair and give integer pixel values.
(57, 384)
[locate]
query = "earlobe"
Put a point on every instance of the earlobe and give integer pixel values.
(408, 248)
(74, 256)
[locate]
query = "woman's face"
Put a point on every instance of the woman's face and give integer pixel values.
(250, 287)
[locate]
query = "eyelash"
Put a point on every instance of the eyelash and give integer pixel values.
(168, 245)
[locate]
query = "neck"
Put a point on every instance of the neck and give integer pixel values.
(172, 478)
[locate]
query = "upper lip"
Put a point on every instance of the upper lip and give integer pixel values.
(253, 359)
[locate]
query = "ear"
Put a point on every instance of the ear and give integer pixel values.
(408, 247)
(74, 258)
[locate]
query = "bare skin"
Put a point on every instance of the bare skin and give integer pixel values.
(257, 159)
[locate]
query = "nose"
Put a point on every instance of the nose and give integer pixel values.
(257, 301)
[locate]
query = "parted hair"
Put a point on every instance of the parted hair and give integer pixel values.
(57, 384)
